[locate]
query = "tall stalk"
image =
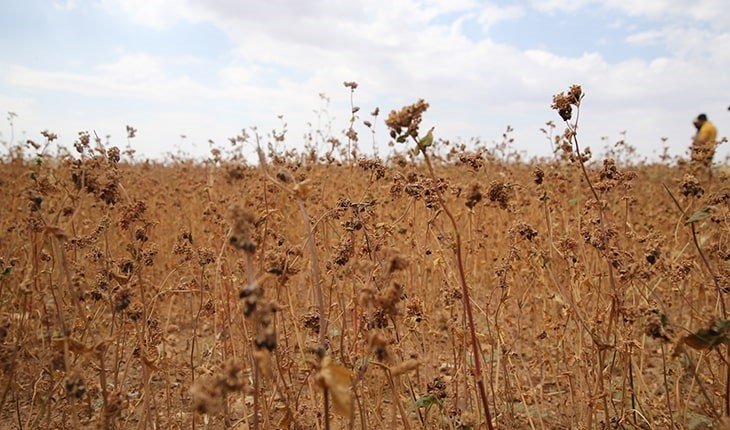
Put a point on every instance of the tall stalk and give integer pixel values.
(476, 351)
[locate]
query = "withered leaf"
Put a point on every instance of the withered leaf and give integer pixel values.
(150, 363)
(709, 338)
(404, 367)
(701, 214)
(74, 345)
(338, 380)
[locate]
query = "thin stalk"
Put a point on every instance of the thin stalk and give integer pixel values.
(720, 295)
(467, 299)
(254, 364)
(316, 277)
(314, 260)
(326, 407)
(666, 387)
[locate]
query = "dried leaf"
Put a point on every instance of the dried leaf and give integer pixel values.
(405, 367)
(74, 345)
(708, 338)
(57, 232)
(338, 380)
(701, 214)
(150, 364)
(123, 280)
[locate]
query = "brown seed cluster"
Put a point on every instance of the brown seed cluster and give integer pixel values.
(564, 102)
(691, 187)
(405, 122)
(243, 224)
(209, 392)
(500, 193)
(474, 196)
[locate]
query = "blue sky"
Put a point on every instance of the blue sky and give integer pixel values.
(209, 68)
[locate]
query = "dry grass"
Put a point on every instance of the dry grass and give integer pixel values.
(319, 294)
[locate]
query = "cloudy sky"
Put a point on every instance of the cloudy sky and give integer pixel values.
(208, 68)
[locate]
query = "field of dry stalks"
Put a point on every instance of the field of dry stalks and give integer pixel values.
(311, 293)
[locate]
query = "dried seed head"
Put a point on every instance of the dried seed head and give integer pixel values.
(250, 294)
(75, 386)
(405, 122)
(208, 392)
(474, 196)
(397, 263)
(652, 253)
(243, 223)
(690, 186)
(387, 300)
(113, 155)
(500, 193)
(575, 93)
(524, 230)
(437, 387)
(539, 175)
(266, 339)
(563, 102)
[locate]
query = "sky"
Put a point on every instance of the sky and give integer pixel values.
(207, 69)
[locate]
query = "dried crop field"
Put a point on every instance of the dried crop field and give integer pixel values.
(314, 293)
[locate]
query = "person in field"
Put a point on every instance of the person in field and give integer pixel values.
(703, 145)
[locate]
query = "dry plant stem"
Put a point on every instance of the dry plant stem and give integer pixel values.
(633, 394)
(615, 300)
(194, 340)
(254, 365)
(714, 277)
(478, 378)
(326, 406)
(323, 318)
(720, 296)
(666, 387)
(316, 278)
(66, 356)
(701, 385)
(352, 122)
(142, 339)
(396, 397)
(721, 299)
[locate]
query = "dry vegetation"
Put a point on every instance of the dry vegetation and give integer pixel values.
(429, 290)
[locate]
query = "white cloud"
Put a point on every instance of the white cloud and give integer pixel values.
(286, 53)
(643, 38)
(692, 43)
(153, 13)
(15, 104)
(65, 5)
(492, 14)
(713, 12)
(141, 84)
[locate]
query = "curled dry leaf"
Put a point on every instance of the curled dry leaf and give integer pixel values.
(405, 367)
(709, 338)
(57, 232)
(150, 363)
(701, 214)
(338, 380)
(74, 345)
